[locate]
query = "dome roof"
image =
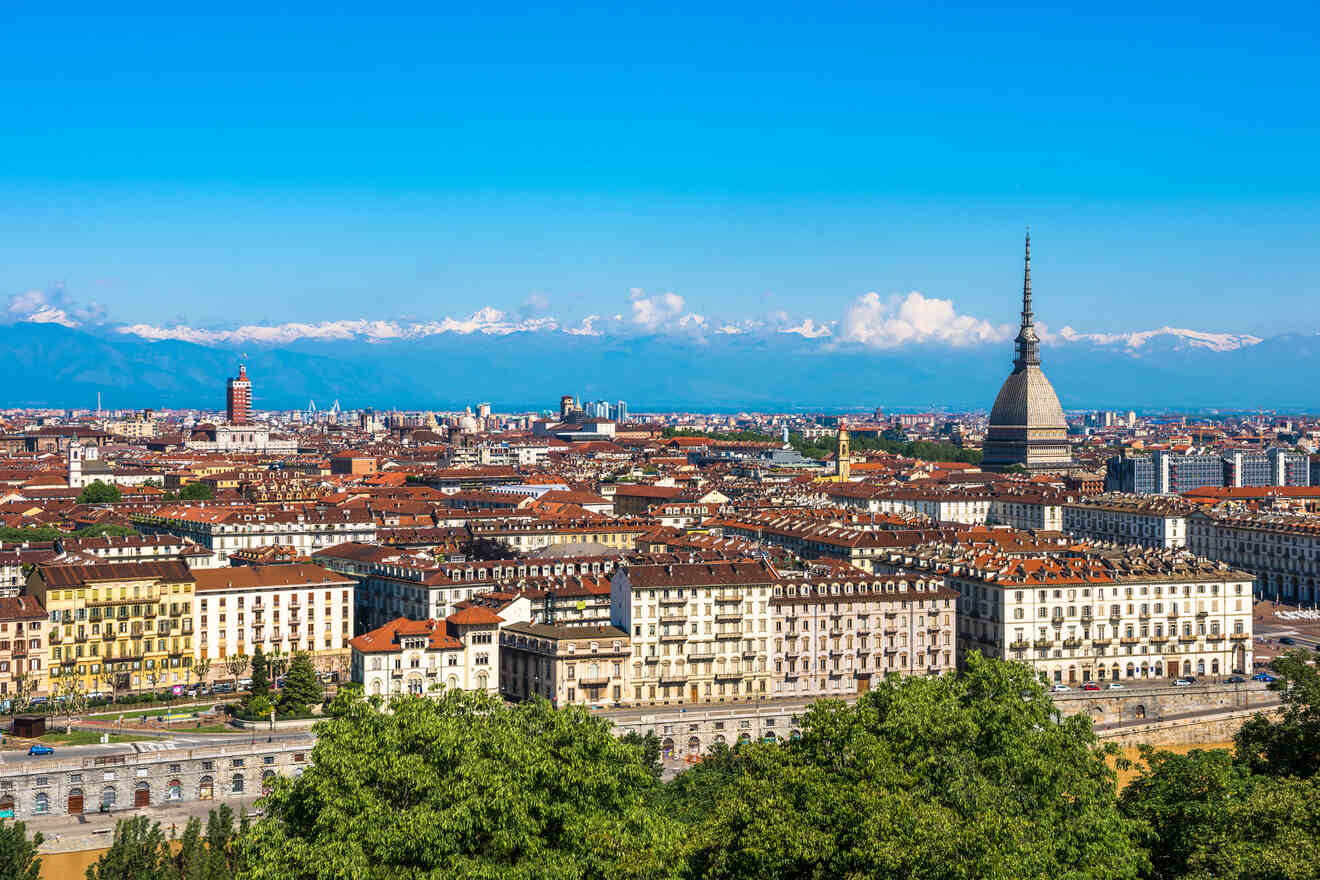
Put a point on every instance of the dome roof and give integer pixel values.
(1027, 400)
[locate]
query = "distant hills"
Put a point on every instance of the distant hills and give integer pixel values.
(53, 365)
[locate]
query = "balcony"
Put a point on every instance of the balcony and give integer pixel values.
(1238, 637)
(1159, 640)
(674, 637)
(673, 618)
(674, 600)
(1129, 640)
(728, 636)
(1186, 639)
(1057, 620)
(1044, 643)
(729, 616)
(604, 680)
(701, 654)
(1019, 645)
(1072, 643)
(1215, 637)
(1100, 641)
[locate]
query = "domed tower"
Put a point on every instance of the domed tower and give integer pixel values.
(1027, 426)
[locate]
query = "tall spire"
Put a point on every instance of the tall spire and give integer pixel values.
(1027, 342)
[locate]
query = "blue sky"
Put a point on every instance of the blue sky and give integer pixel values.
(326, 164)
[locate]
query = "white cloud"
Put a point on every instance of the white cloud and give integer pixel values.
(655, 313)
(809, 329)
(914, 319)
(587, 327)
(1137, 339)
(488, 321)
(52, 307)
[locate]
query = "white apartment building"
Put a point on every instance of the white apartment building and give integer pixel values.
(1281, 550)
(1119, 616)
(700, 631)
(1149, 521)
(295, 607)
(419, 657)
(226, 529)
(1027, 510)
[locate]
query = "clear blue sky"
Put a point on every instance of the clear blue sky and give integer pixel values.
(333, 162)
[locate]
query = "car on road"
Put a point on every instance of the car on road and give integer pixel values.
(1235, 679)
(1060, 689)
(1116, 685)
(1287, 640)
(39, 749)
(1090, 686)
(1263, 676)
(1181, 682)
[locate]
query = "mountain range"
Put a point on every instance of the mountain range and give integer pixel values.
(59, 366)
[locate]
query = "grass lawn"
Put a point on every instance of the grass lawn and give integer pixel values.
(86, 738)
(210, 728)
(130, 714)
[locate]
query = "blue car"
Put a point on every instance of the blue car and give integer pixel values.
(41, 750)
(1263, 676)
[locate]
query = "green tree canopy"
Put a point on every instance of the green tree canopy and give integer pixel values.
(195, 492)
(951, 777)
(302, 689)
(18, 852)
(97, 492)
(141, 851)
(464, 786)
(1291, 745)
(260, 675)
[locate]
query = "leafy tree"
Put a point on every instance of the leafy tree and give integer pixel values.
(236, 665)
(302, 688)
(139, 852)
(257, 707)
(18, 853)
(464, 786)
(1290, 746)
(1178, 799)
(117, 530)
(949, 777)
(650, 746)
(202, 668)
(195, 492)
(70, 697)
(260, 675)
(97, 492)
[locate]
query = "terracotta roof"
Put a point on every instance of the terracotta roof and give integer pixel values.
(58, 576)
(474, 615)
(253, 577)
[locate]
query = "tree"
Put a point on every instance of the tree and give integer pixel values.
(260, 675)
(277, 663)
(944, 777)
(18, 853)
(97, 492)
(70, 698)
(236, 665)
(302, 689)
(25, 686)
(464, 786)
(1290, 746)
(139, 852)
(201, 669)
(650, 747)
(195, 492)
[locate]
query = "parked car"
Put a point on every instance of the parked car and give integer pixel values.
(1060, 689)
(224, 687)
(245, 684)
(1234, 679)
(1181, 682)
(39, 749)
(1116, 685)
(1263, 676)
(1287, 640)
(1090, 686)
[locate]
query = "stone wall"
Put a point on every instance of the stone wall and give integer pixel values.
(1184, 731)
(55, 786)
(1152, 703)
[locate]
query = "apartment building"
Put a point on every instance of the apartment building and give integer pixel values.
(699, 631)
(1101, 615)
(837, 636)
(1157, 522)
(226, 529)
(120, 625)
(22, 647)
(1281, 550)
(565, 664)
(1027, 510)
(419, 657)
(817, 539)
(292, 607)
(526, 535)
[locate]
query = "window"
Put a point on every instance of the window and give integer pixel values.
(237, 781)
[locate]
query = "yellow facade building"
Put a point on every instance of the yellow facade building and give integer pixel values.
(120, 625)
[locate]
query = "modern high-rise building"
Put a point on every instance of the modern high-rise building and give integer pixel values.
(239, 399)
(621, 411)
(1027, 426)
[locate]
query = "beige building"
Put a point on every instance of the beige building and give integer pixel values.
(1281, 550)
(588, 665)
(699, 631)
(296, 607)
(22, 647)
(1150, 521)
(836, 636)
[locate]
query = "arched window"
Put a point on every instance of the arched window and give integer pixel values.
(206, 788)
(174, 790)
(108, 796)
